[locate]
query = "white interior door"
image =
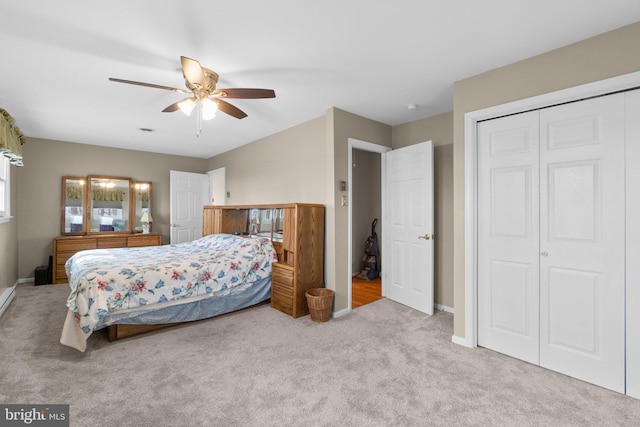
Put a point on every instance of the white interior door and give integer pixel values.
(218, 187)
(408, 264)
(582, 240)
(508, 235)
(189, 193)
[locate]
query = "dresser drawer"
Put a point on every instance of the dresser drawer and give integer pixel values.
(284, 280)
(282, 297)
(73, 245)
(282, 275)
(112, 242)
(60, 274)
(62, 257)
(144, 240)
(282, 290)
(282, 294)
(281, 303)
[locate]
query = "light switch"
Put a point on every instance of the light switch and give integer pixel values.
(344, 200)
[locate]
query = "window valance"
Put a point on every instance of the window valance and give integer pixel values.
(109, 195)
(75, 192)
(11, 139)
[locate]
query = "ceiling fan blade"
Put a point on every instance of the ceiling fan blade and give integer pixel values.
(171, 108)
(131, 82)
(193, 72)
(232, 110)
(245, 93)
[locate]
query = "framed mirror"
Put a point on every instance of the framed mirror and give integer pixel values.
(267, 222)
(108, 204)
(142, 203)
(73, 197)
(278, 225)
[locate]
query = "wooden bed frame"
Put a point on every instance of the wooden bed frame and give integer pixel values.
(121, 331)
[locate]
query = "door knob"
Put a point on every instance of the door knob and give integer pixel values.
(544, 253)
(425, 237)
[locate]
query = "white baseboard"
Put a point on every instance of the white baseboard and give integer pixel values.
(443, 308)
(6, 297)
(460, 341)
(25, 280)
(341, 312)
(436, 306)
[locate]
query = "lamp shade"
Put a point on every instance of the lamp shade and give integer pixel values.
(187, 105)
(146, 217)
(209, 109)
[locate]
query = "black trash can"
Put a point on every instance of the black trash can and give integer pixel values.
(41, 275)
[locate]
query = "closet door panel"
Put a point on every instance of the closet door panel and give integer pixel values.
(508, 235)
(632, 130)
(574, 201)
(582, 238)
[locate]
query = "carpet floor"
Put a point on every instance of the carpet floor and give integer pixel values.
(381, 365)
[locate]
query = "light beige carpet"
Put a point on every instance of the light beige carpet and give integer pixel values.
(382, 365)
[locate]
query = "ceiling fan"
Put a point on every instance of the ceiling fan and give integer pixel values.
(201, 86)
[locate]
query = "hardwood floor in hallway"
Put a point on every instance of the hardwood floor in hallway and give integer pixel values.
(365, 291)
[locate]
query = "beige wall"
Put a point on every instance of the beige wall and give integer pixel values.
(443, 224)
(46, 162)
(285, 167)
(438, 129)
(9, 238)
(342, 126)
(604, 56)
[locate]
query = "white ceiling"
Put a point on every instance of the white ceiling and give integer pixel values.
(369, 58)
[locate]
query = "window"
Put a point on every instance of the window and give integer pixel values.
(5, 189)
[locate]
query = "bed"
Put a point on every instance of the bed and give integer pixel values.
(155, 285)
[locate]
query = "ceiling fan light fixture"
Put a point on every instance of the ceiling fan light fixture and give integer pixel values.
(209, 108)
(187, 105)
(204, 96)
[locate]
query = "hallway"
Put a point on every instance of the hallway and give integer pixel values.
(365, 291)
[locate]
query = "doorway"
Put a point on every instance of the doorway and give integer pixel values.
(358, 186)
(406, 188)
(189, 192)
(366, 215)
(217, 186)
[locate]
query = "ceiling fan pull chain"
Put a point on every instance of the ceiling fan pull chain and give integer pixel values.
(198, 119)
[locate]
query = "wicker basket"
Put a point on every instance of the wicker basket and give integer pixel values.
(320, 302)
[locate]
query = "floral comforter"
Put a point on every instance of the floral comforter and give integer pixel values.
(107, 280)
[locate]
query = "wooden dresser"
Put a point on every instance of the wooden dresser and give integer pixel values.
(65, 246)
(298, 237)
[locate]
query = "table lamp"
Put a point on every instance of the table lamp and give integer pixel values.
(146, 221)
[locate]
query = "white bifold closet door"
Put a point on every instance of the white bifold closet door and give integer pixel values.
(508, 236)
(632, 154)
(551, 238)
